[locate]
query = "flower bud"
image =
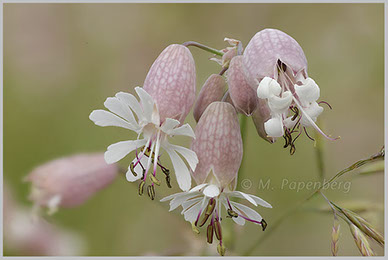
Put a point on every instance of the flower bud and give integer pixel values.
(265, 49)
(171, 82)
(212, 90)
(243, 96)
(218, 144)
(70, 181)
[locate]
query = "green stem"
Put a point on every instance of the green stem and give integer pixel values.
(203, 47)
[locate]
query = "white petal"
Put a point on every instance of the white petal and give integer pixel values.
(53, 203)
(132, 102)
(147, 103)
(260, 201)
(211, 191)
(192, 213)
(250, 213)
(117, 151)
(308, 92)
(242, 195)
(289, 123)
(189, 155)
(280, 104)
(121, 109)
(179, 200)
(184, 130)
(268, 87)
(181, 171)
(198, 187)
(138, 170)
(168, 125)
(172, 196)
(274, 127)
(189, 203)
(313, 111)
(105, 118)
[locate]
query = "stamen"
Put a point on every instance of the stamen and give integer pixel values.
(210, 232)
(324, 102)
(204, 219)
(155, 180)
(151, 191)
(141, 187)
(304, 128)
(133, 169)
(232, 213)
(221, 249)
(168, 181)
(263, 224)
(199, 214)
(217, 229)
(209, 210)
(194, 228)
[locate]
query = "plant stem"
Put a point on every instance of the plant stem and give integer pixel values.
(319, 150)
(203, 47)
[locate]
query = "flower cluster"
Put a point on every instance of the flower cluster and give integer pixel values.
(267, 81)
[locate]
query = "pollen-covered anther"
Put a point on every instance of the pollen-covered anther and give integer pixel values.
(263, 224)
(221, 249)
(210, 232)
(232, 213)
(132, 167)
(155, 180)
(141, 187)
(217, 229)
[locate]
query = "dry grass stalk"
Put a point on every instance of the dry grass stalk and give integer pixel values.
(361, 241)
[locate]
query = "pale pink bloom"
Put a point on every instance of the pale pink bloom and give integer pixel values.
(70, 181)
(219, 149)
(24, 235)
(242, 94)
(165, 100)
(171, 82)
(212, 90)
(276, 66)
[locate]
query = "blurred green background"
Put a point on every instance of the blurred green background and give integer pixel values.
(61, 61)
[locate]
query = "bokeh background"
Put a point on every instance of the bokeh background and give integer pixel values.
(61, 61)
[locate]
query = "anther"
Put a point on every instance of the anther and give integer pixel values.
(221, 249)
(166, 171)
(194, 228)
(168, 181)
(210, 207)
(204, 219)
(141, 187)
(210, 232)
(232, 213)
(154, 180)
(132, 167)
(264, 224)
(292, 149)
(217, 229)
(151, 192)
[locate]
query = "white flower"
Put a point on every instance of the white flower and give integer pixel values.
(154, 134)
(204, 203)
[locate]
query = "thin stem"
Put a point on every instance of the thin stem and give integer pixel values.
(319, 150)
(203, 47)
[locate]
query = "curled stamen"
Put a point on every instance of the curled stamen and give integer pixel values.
(168, 181)
(132, 167)
(308, 134)
(232, 213)
(324, 102)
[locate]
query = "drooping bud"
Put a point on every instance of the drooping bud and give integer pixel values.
(265, 49)
(171, 82)
(212, 90)
(242, 94)
(218, 144)
(70, 181)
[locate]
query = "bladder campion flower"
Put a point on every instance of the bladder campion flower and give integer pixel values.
(165, 100)
(275, 64)
(70, 181)
(218, 145)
